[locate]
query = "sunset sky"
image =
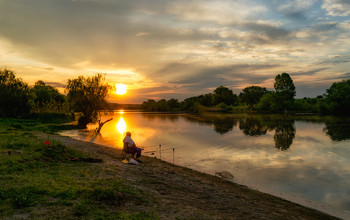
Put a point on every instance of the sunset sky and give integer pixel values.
(177, 49)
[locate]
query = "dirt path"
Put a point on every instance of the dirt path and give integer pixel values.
(182, 193)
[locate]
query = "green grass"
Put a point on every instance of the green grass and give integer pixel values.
(48, 126)
(38, 181)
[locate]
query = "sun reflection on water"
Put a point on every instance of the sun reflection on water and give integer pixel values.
(121, 126)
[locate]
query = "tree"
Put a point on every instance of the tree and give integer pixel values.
(14, 95)
(189, 103)
(267, 102)
(252, 94)
(46, 96)
(338, 96)
(285, 90)
(162, 105)
(88, 95)
(206, 100)
(225, 95)
(173, 104)
(149, 105)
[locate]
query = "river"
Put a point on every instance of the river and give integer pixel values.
(304, 159)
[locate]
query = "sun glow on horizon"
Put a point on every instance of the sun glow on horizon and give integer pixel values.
(120, 89)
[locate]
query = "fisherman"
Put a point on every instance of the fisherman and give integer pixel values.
(130, 146)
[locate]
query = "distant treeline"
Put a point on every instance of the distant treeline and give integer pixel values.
(336, 100)
(116, 106)
(87, 95)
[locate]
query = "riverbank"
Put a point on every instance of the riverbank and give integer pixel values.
(180, 193)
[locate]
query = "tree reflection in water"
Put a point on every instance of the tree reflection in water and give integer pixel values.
(259, 125)
(284, 134)
(338, 130)
(252, 126)
(284, 126)
(223, 126)
(222, 123)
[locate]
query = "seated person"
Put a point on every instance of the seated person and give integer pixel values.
(130, 146)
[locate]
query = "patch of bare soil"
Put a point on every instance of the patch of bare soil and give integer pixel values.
(182, 193)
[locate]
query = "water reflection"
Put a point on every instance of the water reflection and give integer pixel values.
(223, 126)
(252, 126)
(121, 125)
(284, 134)
(338, 130)
(222, 123)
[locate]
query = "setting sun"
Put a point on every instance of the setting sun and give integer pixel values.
(120, 89)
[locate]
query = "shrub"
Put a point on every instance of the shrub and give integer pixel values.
(14, 95)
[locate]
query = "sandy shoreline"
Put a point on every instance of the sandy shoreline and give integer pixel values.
(182, 193)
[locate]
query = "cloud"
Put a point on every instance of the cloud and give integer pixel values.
(337, 7)
(42, 68)
(56, 84)
(266, 32)
(325, 26)
(309, 73)
(338, 59)
(296, 9)
(221, 12)
(202, 78)
(140, 34)
(344, 76)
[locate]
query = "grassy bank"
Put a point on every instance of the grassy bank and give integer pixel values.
(51, 180)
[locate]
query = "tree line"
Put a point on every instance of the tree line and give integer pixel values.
(87, 95)
(336, 100)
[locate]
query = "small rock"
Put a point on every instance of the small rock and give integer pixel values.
(225, 175)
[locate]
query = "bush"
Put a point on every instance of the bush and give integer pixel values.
(338, 95)
(14, 95)
(265, 102)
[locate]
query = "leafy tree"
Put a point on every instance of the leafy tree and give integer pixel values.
(267, 102)
(46, 96)
(14, 95)
(225, 95)
(338, 96)
(162, 105)
(149, 105)
(173, 104)
(252, 94)
(189, 103)
(88, 95)
(285, 90)
(206, 100)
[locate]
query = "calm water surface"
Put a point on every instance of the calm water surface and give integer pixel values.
(302, 159)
